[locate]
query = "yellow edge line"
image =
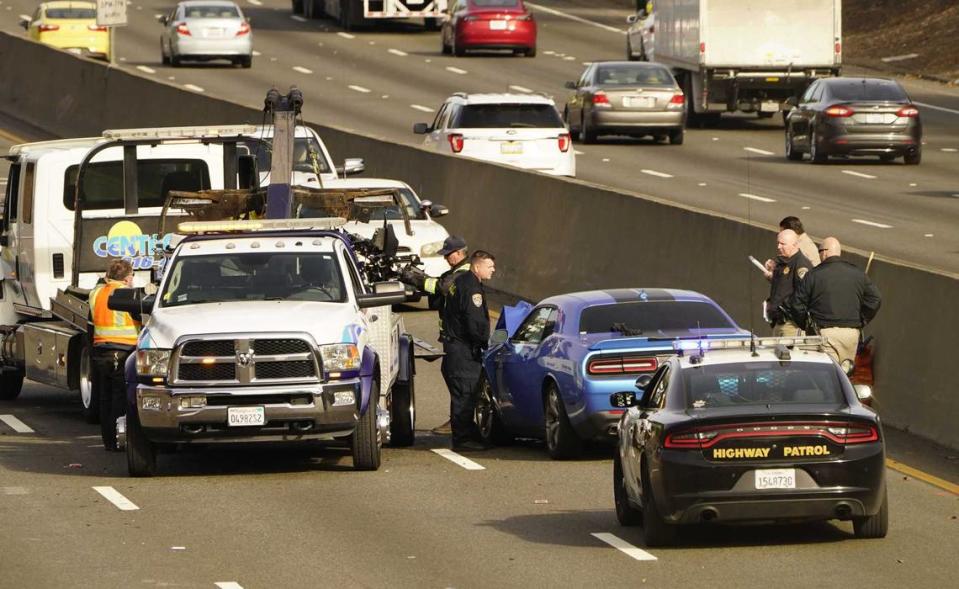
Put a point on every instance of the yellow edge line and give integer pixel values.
(15, 139)
(922, 476)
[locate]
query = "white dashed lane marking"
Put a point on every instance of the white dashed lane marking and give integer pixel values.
(759, 151)
(522, 89)
(301, 69)
(14, 490)
(555, 12)
(298, 18)
(872, 223)
(255, 2)
(114, 497)
(456, 70)
(657, 174)
(17, 425)
(939, 108)
(145, 69)
(397, 52)
(421, 108)
(229, 585)
(359, 89)
(950, 149)
(756, 197)
(623, 546)
(859, 174)
(194, 88)
(257, 54)
(346, 35)
(458, 459)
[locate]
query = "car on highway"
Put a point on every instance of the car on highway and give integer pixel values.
(423, 237)
(549, 372)
(853, 117)
(488, 25)
(522, 130)
(206, 30)
(744, 431)
(69, 25)
(625, 98)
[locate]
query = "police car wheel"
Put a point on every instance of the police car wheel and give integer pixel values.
(365, 442)
(655, 529)
(141, 452)
(873, 526)
(625, 512)
(562, 443)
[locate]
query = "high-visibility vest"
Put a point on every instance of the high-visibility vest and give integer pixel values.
(109, 326)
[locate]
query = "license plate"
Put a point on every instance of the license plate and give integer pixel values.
(639, 101)
(769, 106)
(510, 147)
(213, 32)
(497, 25)
(244, 416)
(874, 118)
(778, 478)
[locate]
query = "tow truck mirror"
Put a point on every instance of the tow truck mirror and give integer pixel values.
(163, 19)
(863, 392)
(352, 166)
(437, 210)
(25, 23)
(421, 128)
(500, 336)
(623, 399)
(631, 19)
(384, 293)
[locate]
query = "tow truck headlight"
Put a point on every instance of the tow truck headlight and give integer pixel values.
(431, 250)
(338, 357)
(153, 363)
(192, 402)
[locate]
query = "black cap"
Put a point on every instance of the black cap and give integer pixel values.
(452, 244)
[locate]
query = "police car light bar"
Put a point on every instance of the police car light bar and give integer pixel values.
(745, 343)
(196, 132)
(252, 226)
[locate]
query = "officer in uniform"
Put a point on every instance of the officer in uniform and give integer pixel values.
(836, 300)
(466, 334)
(114, 338)
(791, 267)
(455, 253)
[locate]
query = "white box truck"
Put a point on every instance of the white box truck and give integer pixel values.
(352, 13)
(739, 55)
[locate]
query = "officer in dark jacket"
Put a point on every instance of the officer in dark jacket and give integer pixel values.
(835, 300)
(791, 267)
(466, 333)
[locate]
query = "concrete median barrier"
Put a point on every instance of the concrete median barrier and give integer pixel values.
(550, 235)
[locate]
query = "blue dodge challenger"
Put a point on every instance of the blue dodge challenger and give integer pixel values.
(550, 369)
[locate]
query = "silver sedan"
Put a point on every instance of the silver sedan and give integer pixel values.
(625, 98)
(204, 30)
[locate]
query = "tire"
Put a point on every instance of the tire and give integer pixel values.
(677, 136)
(365, 442)
(873, 526)
(89, 387)
(246, 62)
(491, 429)
(164, 59)
(913, 159)
(175, 61)
(562, 443)
(308, 8)
(792, 154)
(629, 50)
(298, 6)
(887, 157)
(655, 529)
(11, 383)
(625, 512)
(457, 50)
(346, 15)
(403, 411)
(444, 48)
(816, 155)
(586, 135)
(765, 115)
(531, 52)
(141, 452)
(432, 24)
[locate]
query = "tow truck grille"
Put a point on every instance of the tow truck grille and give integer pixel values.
(246, 361)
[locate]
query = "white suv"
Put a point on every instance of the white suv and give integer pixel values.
(522, 130)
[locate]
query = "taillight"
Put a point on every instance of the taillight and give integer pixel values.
(563, 141)
(48, 28)
(908, 111)
(706, 437)
(600, 98)
(702, 47)
(677, 101)
(456, 142)
(839, 111)
(97, 29)
(854, 434)
(689, 439)
(182, 29)
(621, 365)
(838, 48)
(243, 30)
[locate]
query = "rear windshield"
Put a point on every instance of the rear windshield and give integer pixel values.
(305, 151)
(883, 90)
(493, 116)
(631, 75)
(267, 276)
(212, 12)
(55, 13)
(652, 318)
(103, 182)
(761, 383)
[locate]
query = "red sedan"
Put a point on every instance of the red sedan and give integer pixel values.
(489, 24)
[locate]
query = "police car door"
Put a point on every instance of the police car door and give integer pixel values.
(522, 373)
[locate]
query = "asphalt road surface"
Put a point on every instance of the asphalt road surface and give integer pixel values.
(255, 516)
(381, 81)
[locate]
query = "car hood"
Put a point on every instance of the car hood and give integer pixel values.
(322, 322)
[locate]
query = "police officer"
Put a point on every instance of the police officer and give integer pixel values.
(114, 338)
(455, 253)
(790, 269)
(467, 329)
(835, 300)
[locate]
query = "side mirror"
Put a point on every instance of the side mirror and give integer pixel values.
(571, 85)
(863, 392)
(500, 336)
(643, 381)
(421, 128)
(631, 19)
(792, 101)
(623, 399)
(352, 166)
(25, 23)
(384, 293)
(437, 210)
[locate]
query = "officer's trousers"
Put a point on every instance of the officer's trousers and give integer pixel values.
(462, 374)
(109, 361)
(841, 344)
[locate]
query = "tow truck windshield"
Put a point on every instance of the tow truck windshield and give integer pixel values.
(222, 278)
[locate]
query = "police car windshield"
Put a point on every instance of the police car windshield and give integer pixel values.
(761, 383)
(655, 318)
(304, 148)
(254, 277)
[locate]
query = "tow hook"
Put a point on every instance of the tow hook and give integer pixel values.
(383, 424)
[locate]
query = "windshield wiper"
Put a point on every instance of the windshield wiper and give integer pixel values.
(626, 330)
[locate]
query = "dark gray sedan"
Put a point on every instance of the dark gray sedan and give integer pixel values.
(625, 98)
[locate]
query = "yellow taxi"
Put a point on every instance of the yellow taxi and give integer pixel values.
(69, 25)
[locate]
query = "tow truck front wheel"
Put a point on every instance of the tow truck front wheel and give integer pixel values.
(141, 452)
(365, 442)
(403, 410)
(11, 383)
